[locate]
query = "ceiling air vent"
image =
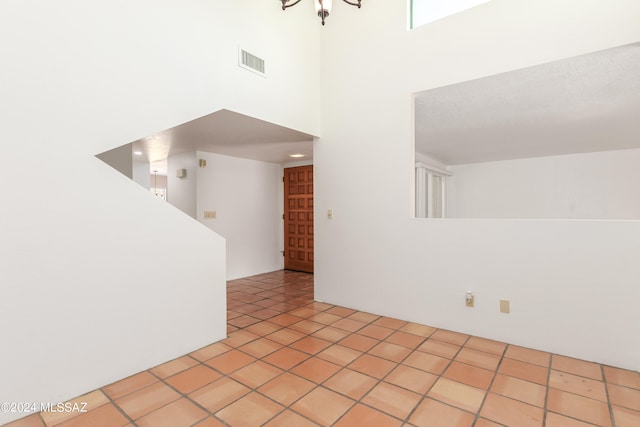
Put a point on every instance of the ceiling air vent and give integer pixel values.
(251, 62)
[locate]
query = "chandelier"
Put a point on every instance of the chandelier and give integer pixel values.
(323, 7)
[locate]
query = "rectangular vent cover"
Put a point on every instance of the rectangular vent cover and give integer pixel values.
(251, 62)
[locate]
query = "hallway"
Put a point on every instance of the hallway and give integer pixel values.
(290, 361)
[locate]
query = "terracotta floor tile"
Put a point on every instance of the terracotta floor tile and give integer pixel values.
(290, 419)
(579, 407)
(210, 422)
(128, 385)
(230, 361)
(622, 377)
(93, 400)
(316, 370)
(376, 332)
(243, 321)
(330, 334)
(411, 379)
(246, 308)
(435, 414)
(286, 358)
(29, 421)
(249, 411)
(517, 389)
(210, 351)
(147, 400)
(285, 319)
(372, 366)
(389, 351)
(556, 420)
(321, 306)
(325, 318)
(307, 326)
(219, 394)
(528, 355)
(104, 416)
(323, 406)
(193, 378)
(391, 399)
(457, 394)
(439, 348)
(577, 385)
(363, 416)
(427, 362)
(486, 423)
(478, 358)
(359, 342)
(264, 314)
(341, 311)
(263, 328)
(181, 413)
(625, 397)
(511, 412)
(286, 336)
(361, 316)
(351, 383)
(256, 374)
(311, 345)
(405, 339)
(302, 312)
(339, 355)
(389, 322)
(173, 367)
(524, 371)
(233, 314)
(286, 388)
(449, 337)
(470, 375)
(260, 347)
(417, 329)
(626, 417)
(348, 325)
(576, 367)
(486, 345)
(238, 338)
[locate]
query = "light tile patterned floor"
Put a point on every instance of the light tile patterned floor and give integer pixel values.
(290, 361)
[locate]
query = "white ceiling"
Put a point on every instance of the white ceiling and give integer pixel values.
(229, 133)
(583, 104)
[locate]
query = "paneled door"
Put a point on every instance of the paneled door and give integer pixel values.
(298, 218)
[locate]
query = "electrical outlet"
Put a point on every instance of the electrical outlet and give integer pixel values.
(209, 214)
(505, 306)
(469, 299)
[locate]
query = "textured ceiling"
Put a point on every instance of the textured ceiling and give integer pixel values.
(583, 104)
(229, 133)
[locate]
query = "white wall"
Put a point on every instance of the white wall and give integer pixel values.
(601, 185)
(573, 285)
(247, 198)
(141, 171)
(182, 192)
(84, 300)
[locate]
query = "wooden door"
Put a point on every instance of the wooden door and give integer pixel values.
(298, 218)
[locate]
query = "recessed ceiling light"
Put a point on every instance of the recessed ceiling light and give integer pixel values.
(296, 155)
(138, 153)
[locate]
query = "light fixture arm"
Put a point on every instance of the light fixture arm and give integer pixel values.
(285, 5)
(322, 12)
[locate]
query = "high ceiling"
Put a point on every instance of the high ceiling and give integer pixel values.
(583, 104)
(229, 133)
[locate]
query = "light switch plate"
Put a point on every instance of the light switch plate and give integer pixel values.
(505, 306)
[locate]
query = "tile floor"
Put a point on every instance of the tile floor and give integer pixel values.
(290, 361)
